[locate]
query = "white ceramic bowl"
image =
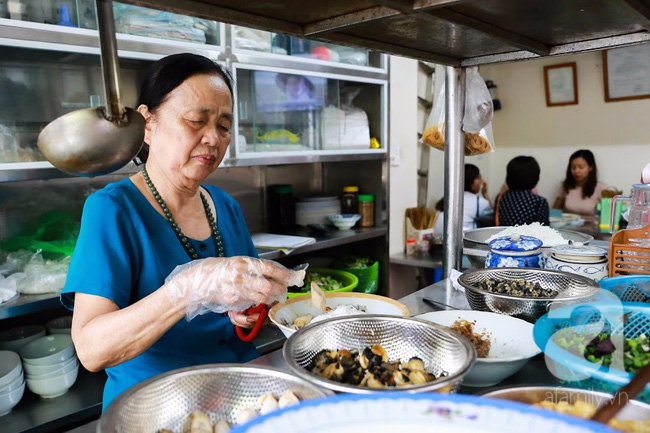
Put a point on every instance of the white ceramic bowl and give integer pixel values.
(54, 387)
(512, 344)
(10, 367)
(62, 371)
(15, 338)
(11, 399)
(60, 325)
(283, 315)
(17, 383)
(39, 370)
(49, 350)
(344, 221)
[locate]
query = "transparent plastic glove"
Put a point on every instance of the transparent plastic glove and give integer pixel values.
(221, 284)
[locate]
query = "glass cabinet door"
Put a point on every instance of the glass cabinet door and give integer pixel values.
(129, 19)
(286, 111)
(245, 38)
(40, 85)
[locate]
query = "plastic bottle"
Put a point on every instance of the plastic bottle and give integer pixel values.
(349, 199)
(367, 210)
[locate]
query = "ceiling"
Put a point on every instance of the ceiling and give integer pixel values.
(450, 32)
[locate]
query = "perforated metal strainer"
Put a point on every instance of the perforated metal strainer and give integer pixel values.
(571, 288)
(441, 349)
(218, 390)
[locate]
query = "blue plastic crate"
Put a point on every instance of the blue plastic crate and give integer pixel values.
(629, 288)
(629, 319)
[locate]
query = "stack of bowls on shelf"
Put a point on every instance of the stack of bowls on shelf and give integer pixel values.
(51, 365)
(315, 210)
(60, 325)
(15, 338)
(12, 383)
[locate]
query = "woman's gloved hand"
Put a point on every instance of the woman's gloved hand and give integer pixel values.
(221, 284)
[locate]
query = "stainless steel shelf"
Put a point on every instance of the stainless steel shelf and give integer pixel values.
(82, 403)
(431, 261)
(334, 238)
(27, 304)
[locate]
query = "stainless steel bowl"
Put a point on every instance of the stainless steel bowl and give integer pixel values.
(475, 245)
(219, 390)
(634, 410)
(441, 349)
(572, 288)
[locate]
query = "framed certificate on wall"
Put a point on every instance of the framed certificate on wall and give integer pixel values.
(561, 84)
(626, 73)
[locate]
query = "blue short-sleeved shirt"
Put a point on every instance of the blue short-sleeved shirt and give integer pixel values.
(124, 252)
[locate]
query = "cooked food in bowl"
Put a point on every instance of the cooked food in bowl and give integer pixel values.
(200, 422)
(339, 311)
(370, 367)
(583, 409)
(480, 341)
(523, 288)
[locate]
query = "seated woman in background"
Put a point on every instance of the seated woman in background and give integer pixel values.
(580, 192)
(519, 205)
(476, 203)
(476, 207)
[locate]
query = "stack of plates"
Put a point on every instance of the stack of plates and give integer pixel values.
(60, 325)
(51, 365)
(12, 383)
(315, 210)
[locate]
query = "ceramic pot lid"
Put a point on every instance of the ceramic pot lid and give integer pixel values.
(515, 243)
(580, 250)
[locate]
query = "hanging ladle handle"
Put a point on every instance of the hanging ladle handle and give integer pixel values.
(110, 65)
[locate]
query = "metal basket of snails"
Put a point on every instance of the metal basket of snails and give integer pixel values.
(210, 398)
(364, 354)
(525, 293)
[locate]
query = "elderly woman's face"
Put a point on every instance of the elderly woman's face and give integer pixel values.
(189, 133)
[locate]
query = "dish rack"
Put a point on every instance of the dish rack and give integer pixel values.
(576, 371)
(625, 258)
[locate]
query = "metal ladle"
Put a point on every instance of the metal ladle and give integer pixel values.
(96, 141)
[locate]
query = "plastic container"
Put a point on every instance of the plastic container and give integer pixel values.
(350, 199)
(367, 210)
(281, 208)
(410, 246)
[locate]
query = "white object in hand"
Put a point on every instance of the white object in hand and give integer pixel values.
(318, 298)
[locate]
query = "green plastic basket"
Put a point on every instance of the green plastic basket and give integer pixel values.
(348, 280)
(368, 277)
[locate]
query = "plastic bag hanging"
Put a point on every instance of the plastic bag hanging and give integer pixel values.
(479, 110)
(476, 143)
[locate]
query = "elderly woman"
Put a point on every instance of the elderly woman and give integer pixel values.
(128, 304)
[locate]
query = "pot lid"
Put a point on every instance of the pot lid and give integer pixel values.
(577, 249)
(515, 243)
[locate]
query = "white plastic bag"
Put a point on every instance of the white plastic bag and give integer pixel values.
(434, 131)
(479, 110)
(44, 276)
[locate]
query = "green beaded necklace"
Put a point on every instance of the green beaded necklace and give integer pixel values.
(189, 249)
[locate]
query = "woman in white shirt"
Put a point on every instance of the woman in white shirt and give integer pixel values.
(477, 205)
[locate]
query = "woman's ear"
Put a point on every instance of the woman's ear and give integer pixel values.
(148, 121)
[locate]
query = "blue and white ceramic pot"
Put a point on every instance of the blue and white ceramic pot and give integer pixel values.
(515, 252)
(588, 261)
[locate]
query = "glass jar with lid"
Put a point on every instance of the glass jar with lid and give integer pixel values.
(367, 210)
(349, 199)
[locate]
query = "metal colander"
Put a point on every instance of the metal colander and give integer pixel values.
(441, 349)
(572, 288)
(218, 390)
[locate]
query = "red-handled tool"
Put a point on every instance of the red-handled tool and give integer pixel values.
(263, 309)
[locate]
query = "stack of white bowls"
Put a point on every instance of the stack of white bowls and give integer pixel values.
(314, 210)
(60, 325)
(15, 338)
(51, 365)
(12, 383)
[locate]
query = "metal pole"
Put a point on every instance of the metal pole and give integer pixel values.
(110, 63)
(454, 169)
